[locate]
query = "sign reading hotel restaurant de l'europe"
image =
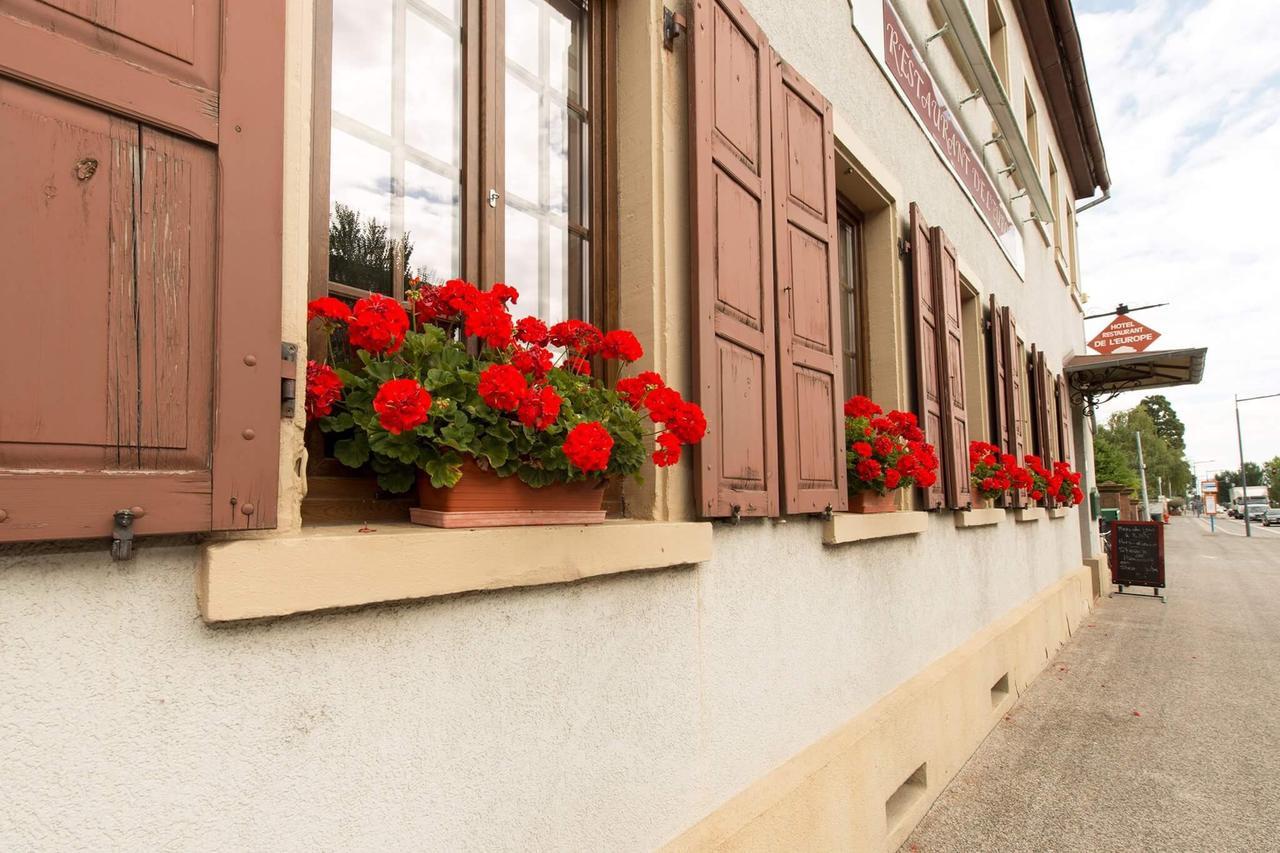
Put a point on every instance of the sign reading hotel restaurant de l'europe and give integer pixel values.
(1124, 334)
(893, 48)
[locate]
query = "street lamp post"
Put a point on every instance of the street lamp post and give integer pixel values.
(1244, 482)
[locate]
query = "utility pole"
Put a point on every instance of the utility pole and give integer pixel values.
(1142, 474)
(1244, 482)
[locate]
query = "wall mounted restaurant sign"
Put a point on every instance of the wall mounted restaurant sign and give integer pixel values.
(883, 31)
(1124, 334)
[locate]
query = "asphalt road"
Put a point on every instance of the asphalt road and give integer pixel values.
(1157, 728)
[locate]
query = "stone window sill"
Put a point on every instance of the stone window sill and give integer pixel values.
(1031, 513)
(979, 517)
(1059, 512)
(325, 568)
(846, 527)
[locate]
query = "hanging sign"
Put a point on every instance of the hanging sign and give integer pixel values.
(1207, 486)
(1137, 553)
(1124, 334)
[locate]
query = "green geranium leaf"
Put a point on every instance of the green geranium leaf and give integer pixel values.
(398, 479)
(352, 452)
(495, 450)
(443, 475)
(437, 379)
(341, 422)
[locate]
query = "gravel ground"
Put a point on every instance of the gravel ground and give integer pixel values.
(1157, 728)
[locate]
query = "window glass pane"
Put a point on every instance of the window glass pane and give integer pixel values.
(431, 224)
(362, 61)
(847, 240)
(546, 154)
(360, 249)
(433, 89)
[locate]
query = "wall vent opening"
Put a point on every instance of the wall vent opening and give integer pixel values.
(910, 792)
(1000, 691)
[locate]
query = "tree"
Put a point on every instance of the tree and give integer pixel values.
(1227, 480)
(1110, 465)
(1168, 425)
(1271, 474)
(1165, 463)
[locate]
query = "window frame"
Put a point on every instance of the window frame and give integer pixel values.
(482, 227)
(854, 309)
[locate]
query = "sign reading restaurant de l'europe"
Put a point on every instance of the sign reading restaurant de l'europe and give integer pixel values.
(893, 48)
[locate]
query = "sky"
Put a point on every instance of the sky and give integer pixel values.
(1188, 100)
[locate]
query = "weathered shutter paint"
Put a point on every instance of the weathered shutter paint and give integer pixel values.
(1064, 420)
(927, 321)
(955, 404)
(1015, 367)
(735, 364)
(808, 296)
(998, 380)
(1042, 410)
(143, 149)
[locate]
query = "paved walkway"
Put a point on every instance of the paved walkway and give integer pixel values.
(1157, 728)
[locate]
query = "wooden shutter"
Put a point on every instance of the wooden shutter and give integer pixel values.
(735, 364)
(1015, 367)
(141, 169)
(927, 321)
(1064, 420)
(1000, 426)
(1042, 412)
(808, 296)
(955, 404)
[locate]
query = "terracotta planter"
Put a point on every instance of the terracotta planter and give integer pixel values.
(868, 502)
(483, 499)
(980, 502)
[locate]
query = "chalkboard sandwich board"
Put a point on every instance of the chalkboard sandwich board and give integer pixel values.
(1137, 553)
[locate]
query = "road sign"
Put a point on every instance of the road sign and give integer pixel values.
(1211, 503)
(1209, 487)
(1124, 334)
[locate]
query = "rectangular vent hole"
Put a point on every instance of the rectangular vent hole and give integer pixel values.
(908, 794)
(1000, 690)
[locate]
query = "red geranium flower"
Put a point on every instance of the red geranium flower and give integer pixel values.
(401, 405)
(329, 308)
(891, 479)
(532, 331)
(666, 450)
(504, 293)
(688, 423)
(621, 345)
(867, 469)
(377, 324)
(532, 361)
(540, 408)
(587, 446)
(502, 387)
(577, 335)
(860, 407)
(883, 445)
(662, 403)
(487, 318)
(862, 448)
(324, 388)
(634, 389)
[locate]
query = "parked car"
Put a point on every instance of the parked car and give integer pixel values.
(1258, 511)
(1271, 517)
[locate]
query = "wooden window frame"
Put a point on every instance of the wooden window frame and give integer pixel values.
(854, 298)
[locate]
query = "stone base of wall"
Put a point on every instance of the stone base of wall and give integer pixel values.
(865, 786)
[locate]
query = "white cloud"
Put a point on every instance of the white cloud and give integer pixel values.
(1188, 101)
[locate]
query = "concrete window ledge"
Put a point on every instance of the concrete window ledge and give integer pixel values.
(854, 527)
(334, 567)
(979, 517)
(1030, 513)
(1059, 512)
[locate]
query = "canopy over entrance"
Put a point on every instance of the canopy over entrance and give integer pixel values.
(1095, 376)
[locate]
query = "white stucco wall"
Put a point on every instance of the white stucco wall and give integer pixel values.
(605, 715)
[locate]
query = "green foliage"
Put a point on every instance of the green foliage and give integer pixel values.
(1168, 425)
(462, 425)
(1164, 461)
(1227, 480)
(1110, 463)
(1271, 473)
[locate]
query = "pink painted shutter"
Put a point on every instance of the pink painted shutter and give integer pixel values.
(1014, 370)
(808, 296)
(143, 150)
(927, 321)
(1064, 420)
(735, 363)
(1042, 411)
(999, 380)
(955, 403)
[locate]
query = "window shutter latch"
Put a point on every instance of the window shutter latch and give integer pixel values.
(288, 379)
(673, 26)
(122, 534)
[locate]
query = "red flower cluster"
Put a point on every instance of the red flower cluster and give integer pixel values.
(324, 389)
(684, 421)
(401, 404)
(588, 445)
(993, 473)
(539, 408)
(377, 324)
(1060, 484)
(328, 309)
(481, 313)
(504, 387)
(886, 451)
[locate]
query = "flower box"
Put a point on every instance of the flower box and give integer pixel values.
(869, 502)
(481, 498)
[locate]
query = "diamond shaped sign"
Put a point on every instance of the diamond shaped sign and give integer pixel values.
(1124, 334)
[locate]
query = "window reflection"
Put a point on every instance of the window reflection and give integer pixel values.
(395, 153)
(545, 160)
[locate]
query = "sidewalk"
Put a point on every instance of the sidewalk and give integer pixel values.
(1156, 729)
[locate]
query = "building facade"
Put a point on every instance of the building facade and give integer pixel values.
(788, 206)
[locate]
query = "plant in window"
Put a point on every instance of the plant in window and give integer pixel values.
(486, 412)
(992, 473)
(1059, 484)
(884, 452)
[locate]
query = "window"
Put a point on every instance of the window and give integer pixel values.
(1033, 130)
(463, 138)
(997, 43)
(853, 290)
(1054, 200)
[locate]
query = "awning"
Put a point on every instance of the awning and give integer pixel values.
(1095, 375)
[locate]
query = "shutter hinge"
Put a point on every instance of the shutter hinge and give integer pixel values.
(735, 514)
(288, 379)
(673, 26)
(122, 535)
(828, 513)
(904, 247)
